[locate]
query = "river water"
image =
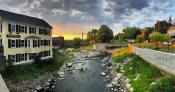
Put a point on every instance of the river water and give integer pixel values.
(89, 80)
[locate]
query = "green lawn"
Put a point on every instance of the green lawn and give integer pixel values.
(148, 74)
(27, 72)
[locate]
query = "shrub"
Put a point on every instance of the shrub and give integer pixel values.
(38, 61)
(165, 84)
(9, 67)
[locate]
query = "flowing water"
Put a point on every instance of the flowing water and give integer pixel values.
(89, 80)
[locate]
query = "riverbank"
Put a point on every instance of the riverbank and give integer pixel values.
(142, 76)
(28, 78)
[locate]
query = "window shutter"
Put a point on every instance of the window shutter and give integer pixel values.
(29, 30)
(9, 43)
(19, 29)
(16, 57)
(19, 42)
(25, 29)
(25, 42)
(33, 44)
(9, 26)
(38, 43)
(9, 57)
(35, 30)
(17, 45)
(25, 56)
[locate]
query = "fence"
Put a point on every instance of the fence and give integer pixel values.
(162, 60)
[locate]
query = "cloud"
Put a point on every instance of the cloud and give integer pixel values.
(85, 13)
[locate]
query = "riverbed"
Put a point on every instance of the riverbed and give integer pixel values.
(87, 80)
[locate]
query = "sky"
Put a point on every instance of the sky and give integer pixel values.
(70, 18)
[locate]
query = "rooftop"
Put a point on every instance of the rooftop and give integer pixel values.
(23, 19)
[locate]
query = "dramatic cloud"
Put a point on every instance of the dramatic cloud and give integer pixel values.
(77, 16)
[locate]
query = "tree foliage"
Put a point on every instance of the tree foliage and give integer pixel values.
(131, 32)
(91, 35)
(119, 36)
(77, 41)
(104, 34)
(147, 31)
(139, 38)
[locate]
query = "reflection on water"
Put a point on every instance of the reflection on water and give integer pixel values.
(84, 81)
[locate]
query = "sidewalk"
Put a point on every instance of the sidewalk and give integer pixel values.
(3, 87)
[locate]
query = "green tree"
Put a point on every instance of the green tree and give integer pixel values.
(147, 31)
(77, 41)
(91, 35)
(139, 38)
(162, 26)
(131, 32)
(156, 37)
(119, 36)
(104, 34)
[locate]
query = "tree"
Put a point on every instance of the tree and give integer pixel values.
(156, 37)
(91, 35)
(162, 26)
(147, 31)
(119, 36)
(104, 34)
(77, 41)
(131, 32)
(139, 38)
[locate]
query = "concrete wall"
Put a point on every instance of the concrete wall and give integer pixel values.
(99, 47)
(162, 60)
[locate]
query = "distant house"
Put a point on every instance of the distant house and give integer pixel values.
(58, 41)
(171, 31)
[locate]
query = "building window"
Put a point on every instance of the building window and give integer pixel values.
(22, 43)
(22, 29)
(13, 28)
(41, 54)
(28, 43)
(42, 42)
(12, 58)
(13, 43)
(41, 31)
(32, 55)
(47, 32)
(34, 43)
(22, 57)
(32, 30)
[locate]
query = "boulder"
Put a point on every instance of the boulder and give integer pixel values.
(61, 74)
(103, 73)
(69, 64)
(109, 85)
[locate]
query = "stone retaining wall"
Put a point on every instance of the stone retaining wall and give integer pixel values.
(162, 60)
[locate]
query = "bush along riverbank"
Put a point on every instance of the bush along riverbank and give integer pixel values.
(142, 76)
(33, 77)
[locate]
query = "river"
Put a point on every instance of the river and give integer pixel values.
(89, 80)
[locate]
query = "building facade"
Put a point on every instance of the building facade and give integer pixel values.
(58, 41)
(24, 37)
(162, 26)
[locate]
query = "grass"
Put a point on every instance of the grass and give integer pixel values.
(87, 47)
(148, 74)
(28, 72)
